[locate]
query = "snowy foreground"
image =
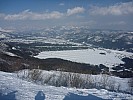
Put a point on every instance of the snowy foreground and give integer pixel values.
(13, 88)
(93, 56)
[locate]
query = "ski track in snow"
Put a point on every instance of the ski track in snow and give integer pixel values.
(13, 87)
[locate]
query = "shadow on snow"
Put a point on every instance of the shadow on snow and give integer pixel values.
(72, 96)
(40, 96)
(9, 96)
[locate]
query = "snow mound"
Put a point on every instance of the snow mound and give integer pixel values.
(13, 88)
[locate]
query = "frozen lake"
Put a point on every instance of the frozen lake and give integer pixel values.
(89, 56)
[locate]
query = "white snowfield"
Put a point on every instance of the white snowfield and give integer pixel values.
(110, 58)
(13, 88)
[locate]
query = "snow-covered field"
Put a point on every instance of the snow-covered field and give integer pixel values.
(39, 39)
(90, 56)
(13, 88)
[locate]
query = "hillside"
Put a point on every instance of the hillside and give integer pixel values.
(13, 88)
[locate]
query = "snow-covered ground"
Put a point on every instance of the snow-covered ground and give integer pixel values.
(40, 39)
(90, 56)
(13, 88)
(97, 81)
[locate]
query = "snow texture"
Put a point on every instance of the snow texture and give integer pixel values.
(94, 56)
(13, 88)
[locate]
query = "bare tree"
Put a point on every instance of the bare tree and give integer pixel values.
(35, 75)
(104, 80)
(131, 85)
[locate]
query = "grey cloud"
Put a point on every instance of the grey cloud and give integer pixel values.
(118, 9)
(29, 15)
(34, 16)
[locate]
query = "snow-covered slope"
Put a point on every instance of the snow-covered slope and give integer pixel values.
(13, 88)
(58, 78)
(94, 56)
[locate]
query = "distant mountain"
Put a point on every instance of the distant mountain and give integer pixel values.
(110, 39)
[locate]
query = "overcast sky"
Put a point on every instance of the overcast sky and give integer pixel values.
(37, 14)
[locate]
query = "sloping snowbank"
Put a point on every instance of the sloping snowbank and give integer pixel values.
(68, 79)
(11, 87)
